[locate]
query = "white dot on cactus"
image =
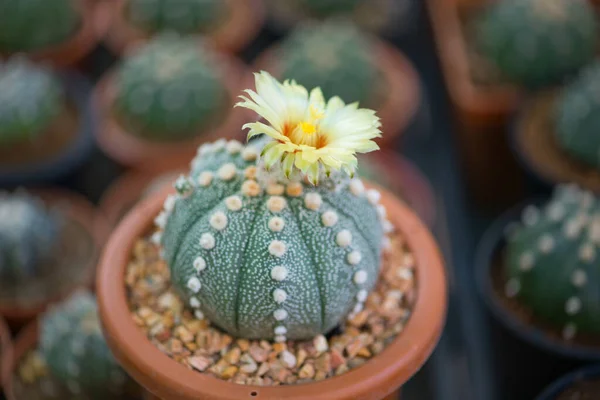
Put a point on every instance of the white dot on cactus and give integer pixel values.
(279, 273)
(579, 278)
(361, 296)
(194, 284)
(587, 199)
(161, 220)
(205, 149)
(249, 154)
(573, 305)
(373, 196)
(572, 229)
(275, 189)
(156, 238)
(530, 215)
(279, 295)
(546, 243)
(569, 331)
(587, 253)
(205, 178)
(218, 220)
(280, 314)
(227, 172)
(360, 277)
(354, 257)
(388, 227)
(233, 203)
(313, 201)
(251, 188)
(199, 264)
(170, 203)
(357, 187)
(280, 330)
(219, 145)
(358, 307)
(526, 261)
(207, 241)
(183, 185)
(234, 147)
(512, 288)
(276, 224)
(280, 338)
(277, 248)
(329, 218)
(343, 238)
(276, 203)
(288, 359)
(381, 211)
(73, 368)
(250, 172)
(194, 302)
(294, 189)
(556, 212)
(199, 314)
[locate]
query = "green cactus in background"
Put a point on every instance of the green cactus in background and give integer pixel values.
(325, 8)
(578, 117)
(75, 351)
(30, 99)
(27, 25)
(182, 16)
(538, 42)
(171, 90)
(334, 56)
(28, 236)
(552, 261)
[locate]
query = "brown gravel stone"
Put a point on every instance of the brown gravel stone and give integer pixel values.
(200, 363)
(307, 371)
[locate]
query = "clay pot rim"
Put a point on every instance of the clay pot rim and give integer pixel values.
(376, 378)
(85, 214)
(554, 389)
(150, 155)
(77, 46)
(491, 242)
(404, 97)
(110, 16)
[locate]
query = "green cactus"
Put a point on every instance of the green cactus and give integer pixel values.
(552, 261)
(182, 16)
(578, 117)
(270, 258)
(538, 42)
(30, 99)
(28, 236)
(341, 65)
(171, 90)
(75, 351)
(325, 8)
(27, 25)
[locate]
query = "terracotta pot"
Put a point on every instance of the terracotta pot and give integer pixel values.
(76, 47)
(80, 210)
(168, 379)
(5, 347)
(244, 22)
(148, 155)
(401, 81)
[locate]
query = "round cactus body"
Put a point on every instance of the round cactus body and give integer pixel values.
(27, 25)
(264, 258)
(538, 42)
(30, 99)
(171, 90)
(75, 351)
(324, 8)
(341, 65)
(578, 117)
(182, 16)
(28, 236)
(552, 261)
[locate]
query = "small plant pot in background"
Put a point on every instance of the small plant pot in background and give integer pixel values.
(581, 384)
(243, 23)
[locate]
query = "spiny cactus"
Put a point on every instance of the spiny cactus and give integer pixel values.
(28, 236)
(552, 261)
(538, 42)
(334, 56)
(30, 99)
(324, 8)
(27, 25)
(171, 90)
(183, 16)
(578, 117)
(75, 350)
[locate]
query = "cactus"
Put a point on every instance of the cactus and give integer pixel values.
(578, 117)
(75, 351)
(324, 8)
(27, 25)
(341, 65)
(538, 42)
(30, 99)
(552, 261)
(28, 236)
(171, 90)
(182, 16)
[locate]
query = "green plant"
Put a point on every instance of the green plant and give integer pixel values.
(75, 351)
(27, 25)
(28, 236)
(171, 90)
(182, 16)
(538, 42)
(552, 261)
(324, 8)
(578, 117)
(334, 56)
(30, 99)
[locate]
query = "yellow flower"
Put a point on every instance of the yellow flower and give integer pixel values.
(309, 133)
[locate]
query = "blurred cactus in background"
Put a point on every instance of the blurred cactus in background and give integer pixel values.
(170, 90)
(30, 99)
(538, 42)
(27, 25)
(324, 8)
